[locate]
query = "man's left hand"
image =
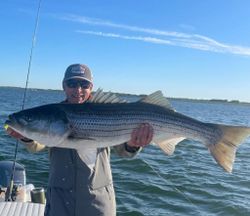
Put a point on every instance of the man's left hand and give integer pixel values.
(141, 136)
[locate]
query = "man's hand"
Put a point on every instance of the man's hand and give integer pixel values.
(141, 136)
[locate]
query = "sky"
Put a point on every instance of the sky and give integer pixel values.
(187, 49)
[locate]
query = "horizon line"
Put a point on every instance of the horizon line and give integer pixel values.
(174, 98)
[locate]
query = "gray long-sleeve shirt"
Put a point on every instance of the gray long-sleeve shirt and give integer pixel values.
(76, 190)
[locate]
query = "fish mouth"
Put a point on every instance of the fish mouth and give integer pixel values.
(13, 124)
(10, 122)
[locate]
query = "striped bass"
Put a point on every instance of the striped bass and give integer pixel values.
(106, 120)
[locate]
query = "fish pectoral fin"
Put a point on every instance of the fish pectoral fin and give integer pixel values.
(168, 146)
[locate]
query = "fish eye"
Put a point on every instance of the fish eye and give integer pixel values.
(28, 118)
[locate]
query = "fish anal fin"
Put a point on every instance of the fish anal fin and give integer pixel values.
(168, 146)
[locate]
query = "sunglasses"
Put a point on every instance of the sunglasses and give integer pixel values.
(78, 83)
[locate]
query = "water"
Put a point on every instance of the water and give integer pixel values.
(187, 183)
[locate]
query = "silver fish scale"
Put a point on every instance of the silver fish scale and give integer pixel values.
(122, 119)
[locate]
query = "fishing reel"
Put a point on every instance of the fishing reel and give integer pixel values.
(5, 191)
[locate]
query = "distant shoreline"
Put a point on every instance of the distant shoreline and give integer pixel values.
(143, 95)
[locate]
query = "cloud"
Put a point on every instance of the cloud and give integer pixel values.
(193, 41)
(112, 35)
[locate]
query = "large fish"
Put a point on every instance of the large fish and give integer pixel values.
(107, 121)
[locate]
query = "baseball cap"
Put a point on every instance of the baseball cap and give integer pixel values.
(78, 71)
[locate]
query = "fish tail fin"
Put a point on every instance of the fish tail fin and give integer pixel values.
(225, 149)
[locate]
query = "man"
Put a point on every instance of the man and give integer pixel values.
(77, 188)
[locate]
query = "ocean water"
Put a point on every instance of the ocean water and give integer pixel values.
(153, 184)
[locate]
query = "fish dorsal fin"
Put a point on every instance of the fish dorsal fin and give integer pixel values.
(157, 98)
(105, 97)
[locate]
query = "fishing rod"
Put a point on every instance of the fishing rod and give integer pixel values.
(8, 194)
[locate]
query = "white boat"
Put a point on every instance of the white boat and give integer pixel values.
(25, 199)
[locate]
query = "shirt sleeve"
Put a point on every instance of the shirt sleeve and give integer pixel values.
(33, 146)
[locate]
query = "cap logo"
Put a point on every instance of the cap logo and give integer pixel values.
(77, 70)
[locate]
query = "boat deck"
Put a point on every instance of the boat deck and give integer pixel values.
(21, 209)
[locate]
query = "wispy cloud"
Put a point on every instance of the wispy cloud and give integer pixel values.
(145, 39)
(193, 41)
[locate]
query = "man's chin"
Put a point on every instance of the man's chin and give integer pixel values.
(77, 100)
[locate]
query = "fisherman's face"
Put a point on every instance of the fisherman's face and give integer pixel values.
(77, 90)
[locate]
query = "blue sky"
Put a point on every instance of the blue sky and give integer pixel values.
(188, 49)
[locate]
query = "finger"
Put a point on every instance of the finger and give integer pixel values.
(149, 134)
(143, 135)
(140, 134)
(134, 135)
